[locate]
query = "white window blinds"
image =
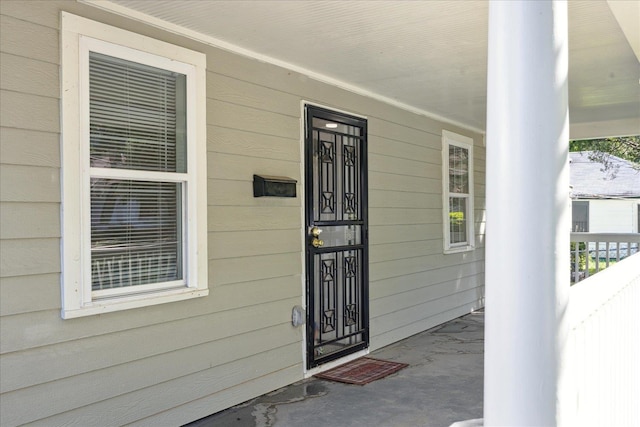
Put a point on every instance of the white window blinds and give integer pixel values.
(137, 116)
(137, 125)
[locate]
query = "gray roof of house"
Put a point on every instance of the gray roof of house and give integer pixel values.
(590, 181)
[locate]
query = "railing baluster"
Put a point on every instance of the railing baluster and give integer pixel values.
(110, 272)
(587, 259)
(131, 269)
(597, 246)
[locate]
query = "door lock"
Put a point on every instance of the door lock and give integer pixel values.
(315, 232)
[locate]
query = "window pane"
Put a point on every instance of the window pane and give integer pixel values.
(580, 216)
(135, 233)
(137, 116)
(458, 169)
(336, 126)
(457, 220)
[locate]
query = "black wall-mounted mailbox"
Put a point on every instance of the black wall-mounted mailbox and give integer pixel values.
(273, 186)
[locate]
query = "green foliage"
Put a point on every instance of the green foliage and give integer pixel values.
(582, 258)
(456, 218)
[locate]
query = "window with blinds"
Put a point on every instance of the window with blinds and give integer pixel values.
(137, 125)
(457, 160)
(134, 170)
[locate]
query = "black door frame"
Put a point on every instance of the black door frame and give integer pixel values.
(311, 111)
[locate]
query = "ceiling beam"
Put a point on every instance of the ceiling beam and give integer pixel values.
(627, 13)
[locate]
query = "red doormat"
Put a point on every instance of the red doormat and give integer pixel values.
(362, 371)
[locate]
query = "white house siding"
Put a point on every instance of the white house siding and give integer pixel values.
(613, 216)
(173, 363)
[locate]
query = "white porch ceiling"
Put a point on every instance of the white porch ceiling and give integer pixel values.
(429, 57)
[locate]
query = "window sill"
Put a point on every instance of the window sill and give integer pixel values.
(458, 249)
(133, 301)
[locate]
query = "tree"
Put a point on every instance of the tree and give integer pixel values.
(626, 147)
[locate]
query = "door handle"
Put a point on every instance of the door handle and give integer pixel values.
(315, 233)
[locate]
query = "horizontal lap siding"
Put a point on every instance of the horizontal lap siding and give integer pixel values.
(405, 200)
(612, 216)
(258, 302)
(153, 359)
(173, 363)
(29, 220)
(148, 373)
(151, 401)
(413, 285)
(25, 294)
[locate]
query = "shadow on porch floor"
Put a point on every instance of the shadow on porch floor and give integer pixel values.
(442, 384)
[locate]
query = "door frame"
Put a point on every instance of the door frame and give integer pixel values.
(340, 359)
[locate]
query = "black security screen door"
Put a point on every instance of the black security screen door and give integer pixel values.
(337, 235)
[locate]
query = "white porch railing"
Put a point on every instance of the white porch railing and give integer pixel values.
(133, 268)
(592, 252)
(604, 347)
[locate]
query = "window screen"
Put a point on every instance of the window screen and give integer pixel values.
(580, 216)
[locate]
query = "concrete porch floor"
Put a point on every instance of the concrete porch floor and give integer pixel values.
(442, 384)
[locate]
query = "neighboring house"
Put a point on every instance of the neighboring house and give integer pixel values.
(604, 201)
(143, 279)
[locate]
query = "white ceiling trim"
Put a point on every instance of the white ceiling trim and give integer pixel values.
(624, 127)
(211, 41)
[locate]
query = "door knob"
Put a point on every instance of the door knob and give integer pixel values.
(316, 243)
(315, 232)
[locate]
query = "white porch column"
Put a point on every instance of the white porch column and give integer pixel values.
(527, 247)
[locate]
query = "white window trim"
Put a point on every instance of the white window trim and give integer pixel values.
(78, 36)
(448, 139)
